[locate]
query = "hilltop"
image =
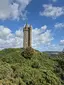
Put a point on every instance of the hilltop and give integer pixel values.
(30, 67)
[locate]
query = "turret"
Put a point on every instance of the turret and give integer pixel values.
(30, 36)
(26, 27)
(27, 38)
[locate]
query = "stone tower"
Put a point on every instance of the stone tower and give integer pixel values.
(27, 38)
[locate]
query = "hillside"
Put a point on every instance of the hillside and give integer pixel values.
(30, 68)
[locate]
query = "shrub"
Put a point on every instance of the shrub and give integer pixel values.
(35, 65)
(33, 68)
(5, 70)
(28, 53)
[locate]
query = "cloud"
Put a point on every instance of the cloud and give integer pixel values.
(6, 37)
(44, 27)
(4, 9)
(4, 32)
(59, 25)
(54, 47)
(54, 0)
(41, 36)
(62, 42)
(52, 11)
(9, 39)
(13, 9)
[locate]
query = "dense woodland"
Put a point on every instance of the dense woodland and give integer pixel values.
(30, 67)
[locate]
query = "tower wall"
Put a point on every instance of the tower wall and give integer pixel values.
(29, 36)
(25, 41)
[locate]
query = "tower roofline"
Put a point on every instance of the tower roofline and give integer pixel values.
(26, 25)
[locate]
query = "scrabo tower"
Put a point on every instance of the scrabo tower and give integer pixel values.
(27, 38)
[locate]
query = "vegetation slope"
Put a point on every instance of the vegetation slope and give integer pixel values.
(30, 67)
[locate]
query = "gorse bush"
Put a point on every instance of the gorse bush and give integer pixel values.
(30, 67)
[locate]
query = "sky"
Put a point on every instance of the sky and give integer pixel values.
(45, 16)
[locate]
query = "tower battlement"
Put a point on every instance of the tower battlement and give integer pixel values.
(27, 37)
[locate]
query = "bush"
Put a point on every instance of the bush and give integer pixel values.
(28, 53)
(5, 70)
(35, 65)
(33, 68)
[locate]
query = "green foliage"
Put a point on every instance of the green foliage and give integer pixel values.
(5, 70)
(28, 53)
(35, 64)
(30, 67)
